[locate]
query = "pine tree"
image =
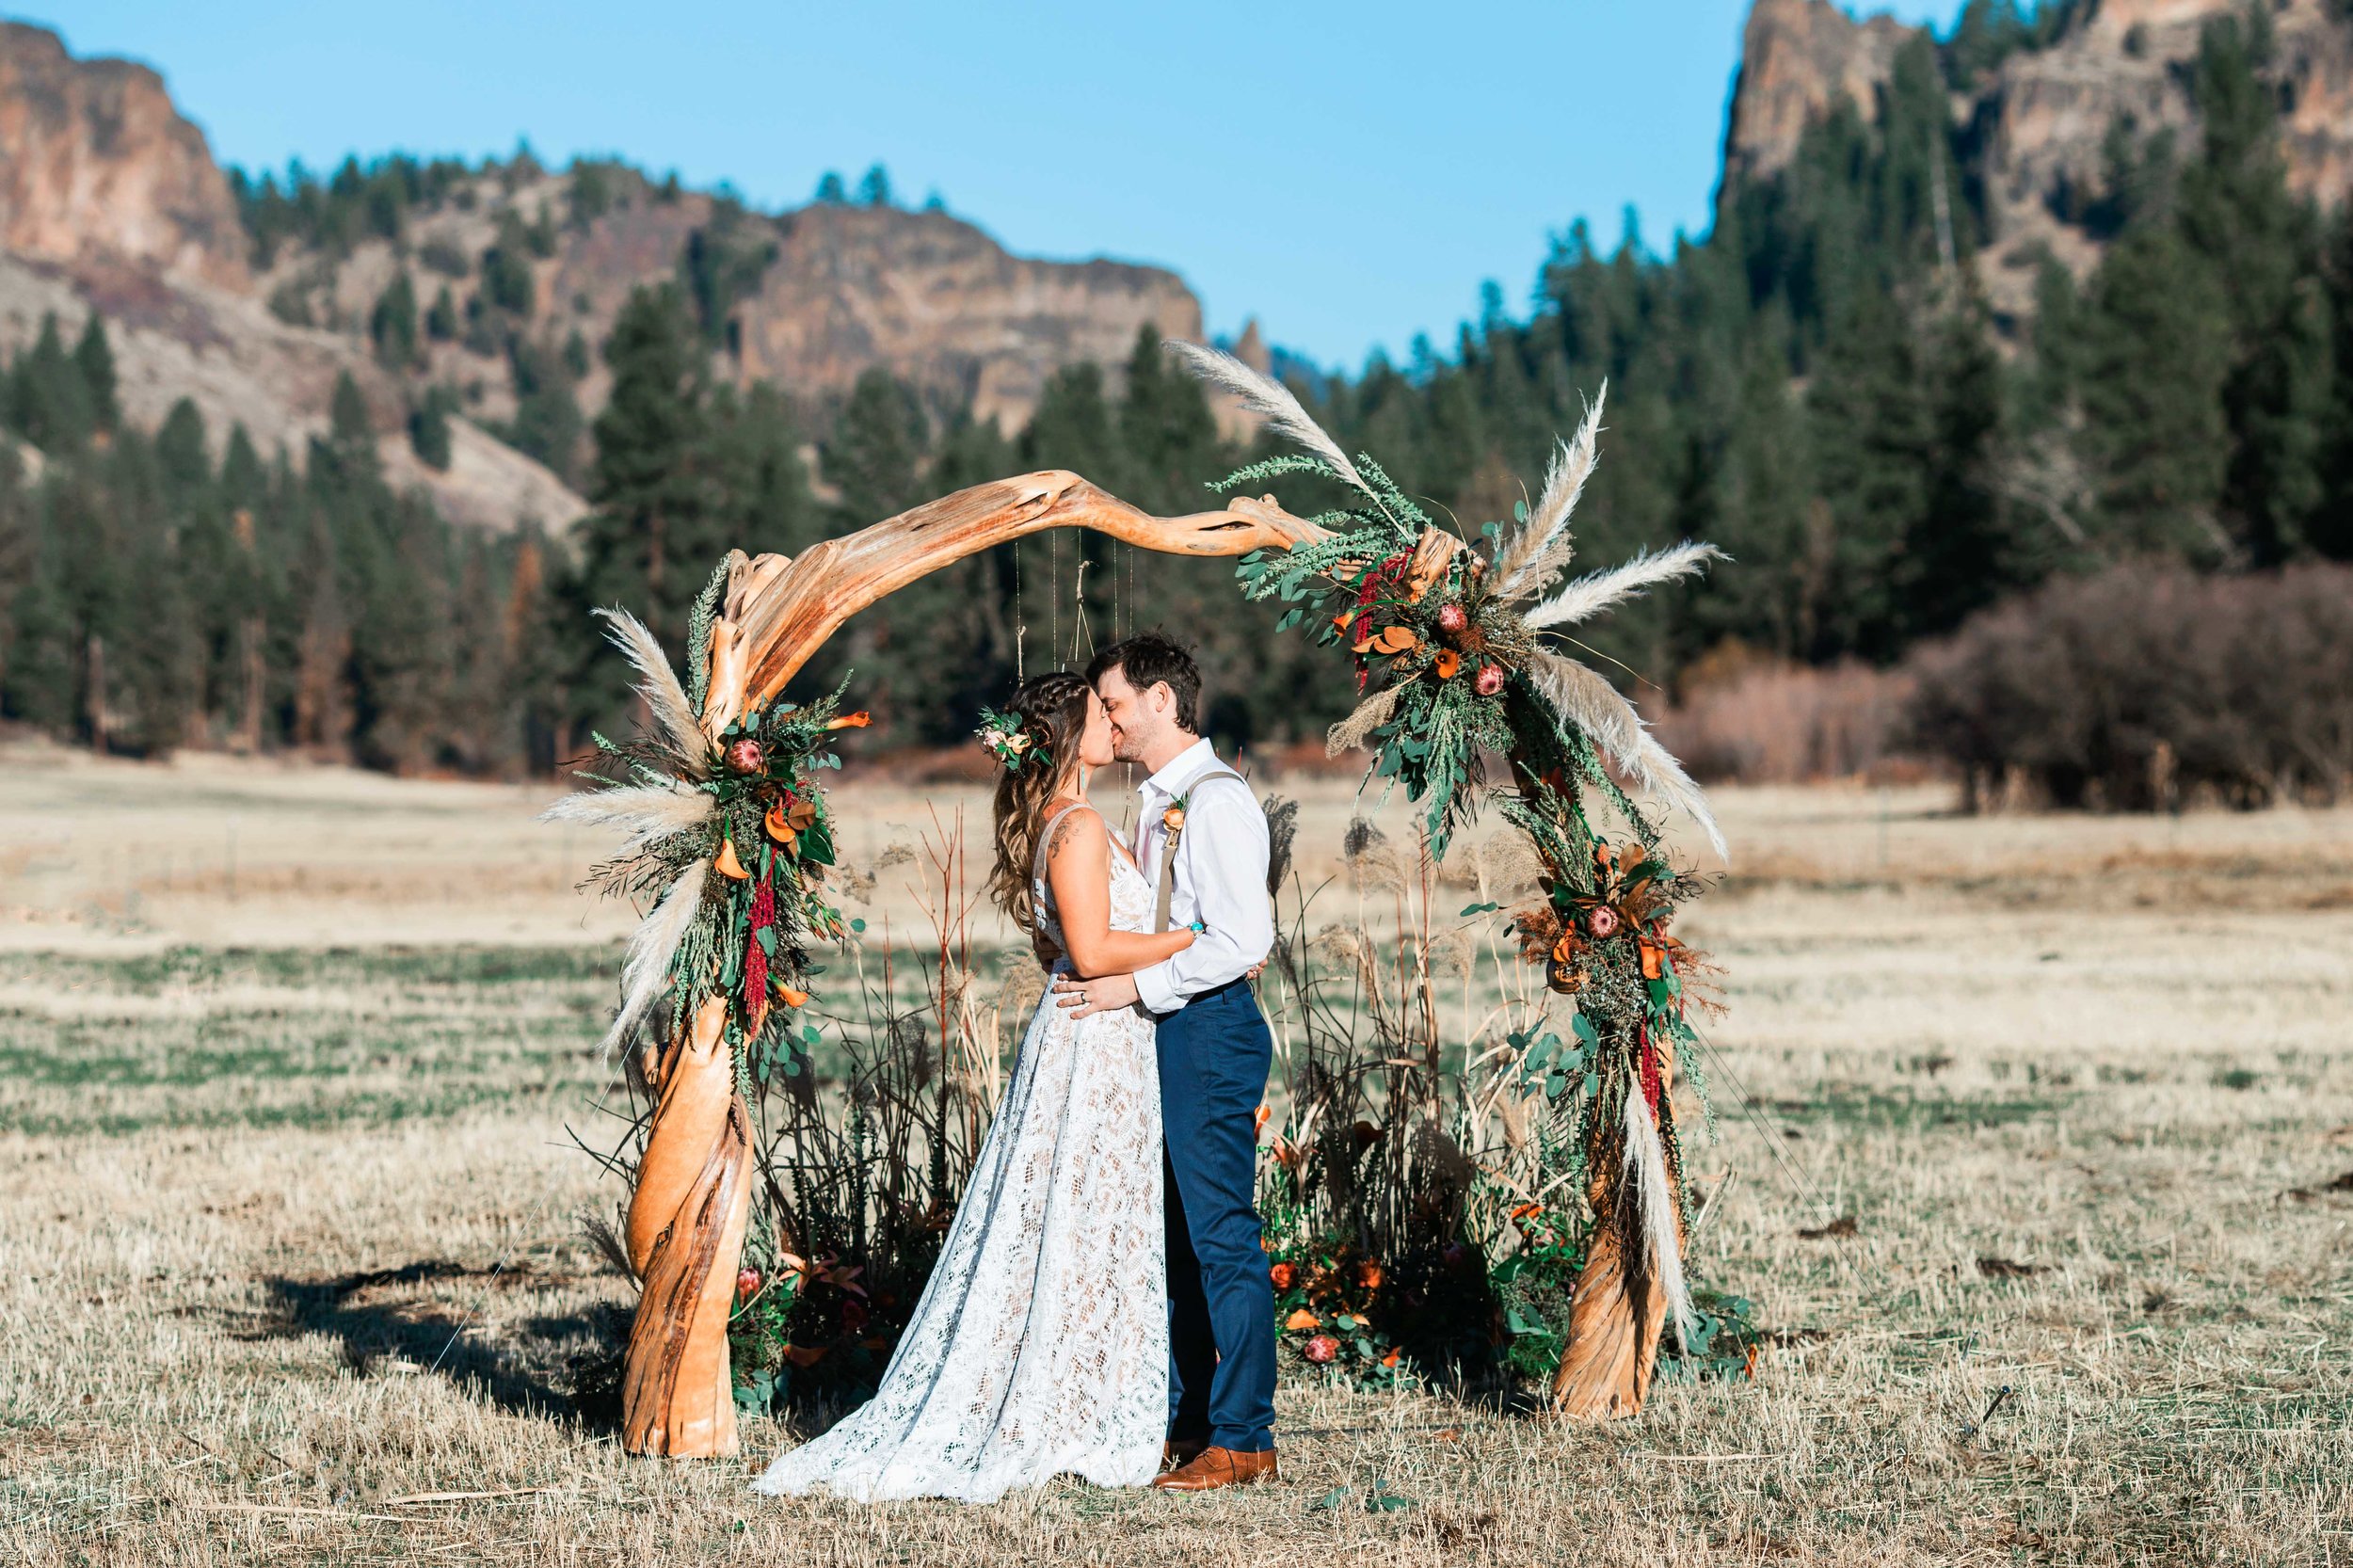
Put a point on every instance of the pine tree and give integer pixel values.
(96, 361)
(875, 456)
(2156, 355)
(393, 324)
(49, 395)
(658, 525)
(547, 423)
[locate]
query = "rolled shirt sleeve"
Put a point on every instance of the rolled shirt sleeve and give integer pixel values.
(1220, 882)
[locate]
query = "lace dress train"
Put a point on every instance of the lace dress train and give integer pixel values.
(1040, 1345)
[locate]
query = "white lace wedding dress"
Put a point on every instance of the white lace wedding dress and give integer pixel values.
(1040, 1346)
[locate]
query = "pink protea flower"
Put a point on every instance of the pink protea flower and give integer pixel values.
(1321, 1349)
(1490, 679)
(1601, 922)
(1452, 619)
(745, 755)
(747, 1284)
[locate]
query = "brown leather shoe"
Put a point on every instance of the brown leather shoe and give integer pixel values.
(1180, 1451)
(1213, 1467)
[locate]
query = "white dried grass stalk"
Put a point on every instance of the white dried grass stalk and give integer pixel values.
(1590, 595)
(1542, 546)
(673, 714)
(1597, 707)
(1369, 715)
(1644, 1181)
(1270, 399)
(647, 969)
(647, 812)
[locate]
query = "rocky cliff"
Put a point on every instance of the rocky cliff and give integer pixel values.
(110, 200)
(2043, 116)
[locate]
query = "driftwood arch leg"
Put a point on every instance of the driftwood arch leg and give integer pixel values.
(1615, 1319)
(685, 1237)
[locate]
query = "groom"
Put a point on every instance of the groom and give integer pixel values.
(1202, 841)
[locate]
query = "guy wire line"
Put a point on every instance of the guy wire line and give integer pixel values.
(1777, 1146)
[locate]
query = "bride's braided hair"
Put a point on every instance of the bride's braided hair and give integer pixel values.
(1053, 713)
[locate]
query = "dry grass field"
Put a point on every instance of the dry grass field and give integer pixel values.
(2039, 1134)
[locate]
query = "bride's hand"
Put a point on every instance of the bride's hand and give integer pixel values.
(1083, 998)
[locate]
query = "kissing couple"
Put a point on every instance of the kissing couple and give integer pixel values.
(1101, 1307)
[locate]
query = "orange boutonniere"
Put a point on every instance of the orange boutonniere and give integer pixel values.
(1174, 818)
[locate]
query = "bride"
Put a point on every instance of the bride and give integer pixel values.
(1040, 1345)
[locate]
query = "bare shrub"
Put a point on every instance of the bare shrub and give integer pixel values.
(2147, 687)
(1753, 719)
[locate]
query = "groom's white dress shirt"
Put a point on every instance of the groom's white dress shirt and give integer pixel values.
(1221, 878)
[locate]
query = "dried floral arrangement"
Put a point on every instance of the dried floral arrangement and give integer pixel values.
(732, 831)
(1448, 641)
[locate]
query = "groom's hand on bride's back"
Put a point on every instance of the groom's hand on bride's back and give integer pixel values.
(1083, 998)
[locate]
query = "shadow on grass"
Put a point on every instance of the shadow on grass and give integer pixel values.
(383, 1325)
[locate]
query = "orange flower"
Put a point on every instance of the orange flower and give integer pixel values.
(1283, 1274)
(728, 865)
(804, 1357)
(859, 720)
(1342, 622)
(1368, 1275)
(1391, 1359)
(1259, 1119)
(792, 997)
(1654, 957)
(1300, 1321)
(1450, 664)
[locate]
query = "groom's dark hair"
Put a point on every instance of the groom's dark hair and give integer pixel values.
(1149, 658)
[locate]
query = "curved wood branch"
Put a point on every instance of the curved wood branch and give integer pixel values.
(779, 610)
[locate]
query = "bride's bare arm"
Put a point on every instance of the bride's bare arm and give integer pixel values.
(1078, 867)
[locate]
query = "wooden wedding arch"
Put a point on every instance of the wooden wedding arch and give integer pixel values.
(693, 1199)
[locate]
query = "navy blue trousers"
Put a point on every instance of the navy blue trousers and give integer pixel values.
(1214, 1054)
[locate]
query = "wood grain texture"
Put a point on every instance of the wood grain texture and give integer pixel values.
(1615, 1324)
(685, 1238)
(779, 610)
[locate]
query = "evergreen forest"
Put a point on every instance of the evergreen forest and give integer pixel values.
(1817, 386)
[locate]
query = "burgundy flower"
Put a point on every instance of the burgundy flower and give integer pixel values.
(1601, 921)
(747, 1284)
(1321, 1349)
(1490, 679)
(1452, 619)
(745, 755)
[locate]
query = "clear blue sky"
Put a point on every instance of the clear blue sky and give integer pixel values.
(1349, 173)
